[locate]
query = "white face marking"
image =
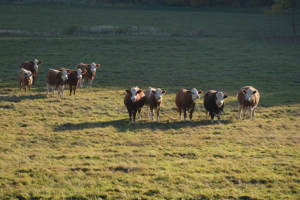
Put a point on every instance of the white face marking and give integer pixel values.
(79, 76)
(93, 67)
(195, 94)
(64, 75)
(220, 99)
(248, 94)
(36, 64)
(158, 94)
(28, 75)
(134, 93)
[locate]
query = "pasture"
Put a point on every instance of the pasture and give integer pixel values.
(82, 147)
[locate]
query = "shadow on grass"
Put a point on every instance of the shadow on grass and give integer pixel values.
(123, 125)
(22, 97)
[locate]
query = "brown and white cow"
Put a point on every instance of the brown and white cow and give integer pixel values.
(25, 79)
(185, 100)
(57, 79)
(32, 66)
(153, 99)
(134, 101)
(74, 78)
(90, 74)
(248, 98)
(214, 103)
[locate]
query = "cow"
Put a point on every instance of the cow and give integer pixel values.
(32, 66)
(185, 100)
(74, 77)
(57, 79)
(25, 79)
(134, 101)
(214, 104)
(153, 99)
(90, 72)
(248, 98)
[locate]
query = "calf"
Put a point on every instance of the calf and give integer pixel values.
(25, 79)
(32, 66)
(134, 101)
(153, 99)
(214, 103)
(185, 100)
(57, 79)
(74, 77)
(90, 74)
(248, 98)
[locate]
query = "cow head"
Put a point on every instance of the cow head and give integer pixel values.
(134, 93)
(94, 67)
(64, 75)
(249, 94)
(158, 94)
(220, 96)
(79, 73)
(195, 94)
(36, 62)
(28, 74)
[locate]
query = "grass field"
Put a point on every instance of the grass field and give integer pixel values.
(82, 147)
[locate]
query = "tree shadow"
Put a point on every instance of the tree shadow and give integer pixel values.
(20, 98)
(123, 125)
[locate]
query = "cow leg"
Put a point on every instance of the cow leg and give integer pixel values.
(191, 113)
(130, 116)
(179, 110)
(157, 114)
(148, 112)
(212, 116)
(206, 114)
(252, 112)
(139, 111)
(62, 90)
(184, 114)
(152, 112)
(240, 109)
(219, 118)
(74, 90)
(70, 87)
(134, 115)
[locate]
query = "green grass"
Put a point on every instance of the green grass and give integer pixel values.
(82, 147)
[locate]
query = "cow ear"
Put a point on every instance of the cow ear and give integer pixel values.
(153, 91)
(39, 62)
(225, 96)
(139, 91)
(128, 91)
(189, 91)
(164, 91)
(97, 65)
(244, 91)
(200, 91)
(254, 92)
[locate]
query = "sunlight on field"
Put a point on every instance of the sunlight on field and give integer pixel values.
(83, 147)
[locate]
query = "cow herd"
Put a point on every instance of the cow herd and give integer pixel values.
(136, 98)
(56, 79)
(185, 100)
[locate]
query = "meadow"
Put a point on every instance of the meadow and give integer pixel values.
(82, 147)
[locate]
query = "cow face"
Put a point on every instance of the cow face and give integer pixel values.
(158, 94)
(79, 73)
(134, 92)
(64, 75)
(249, 94)
(36, 62)
(28, 75)
(220, 96)
(93, 67)
(195, 94)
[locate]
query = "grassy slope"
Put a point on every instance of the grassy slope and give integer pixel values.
(83, 146)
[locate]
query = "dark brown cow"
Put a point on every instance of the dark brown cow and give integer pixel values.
(186, 100)
(57, 79)
(24, 79)
(90, 74)
(153, 99)
(248, 98)
(134, 101)
(214, 104)
(33, 67)
(74, 77)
